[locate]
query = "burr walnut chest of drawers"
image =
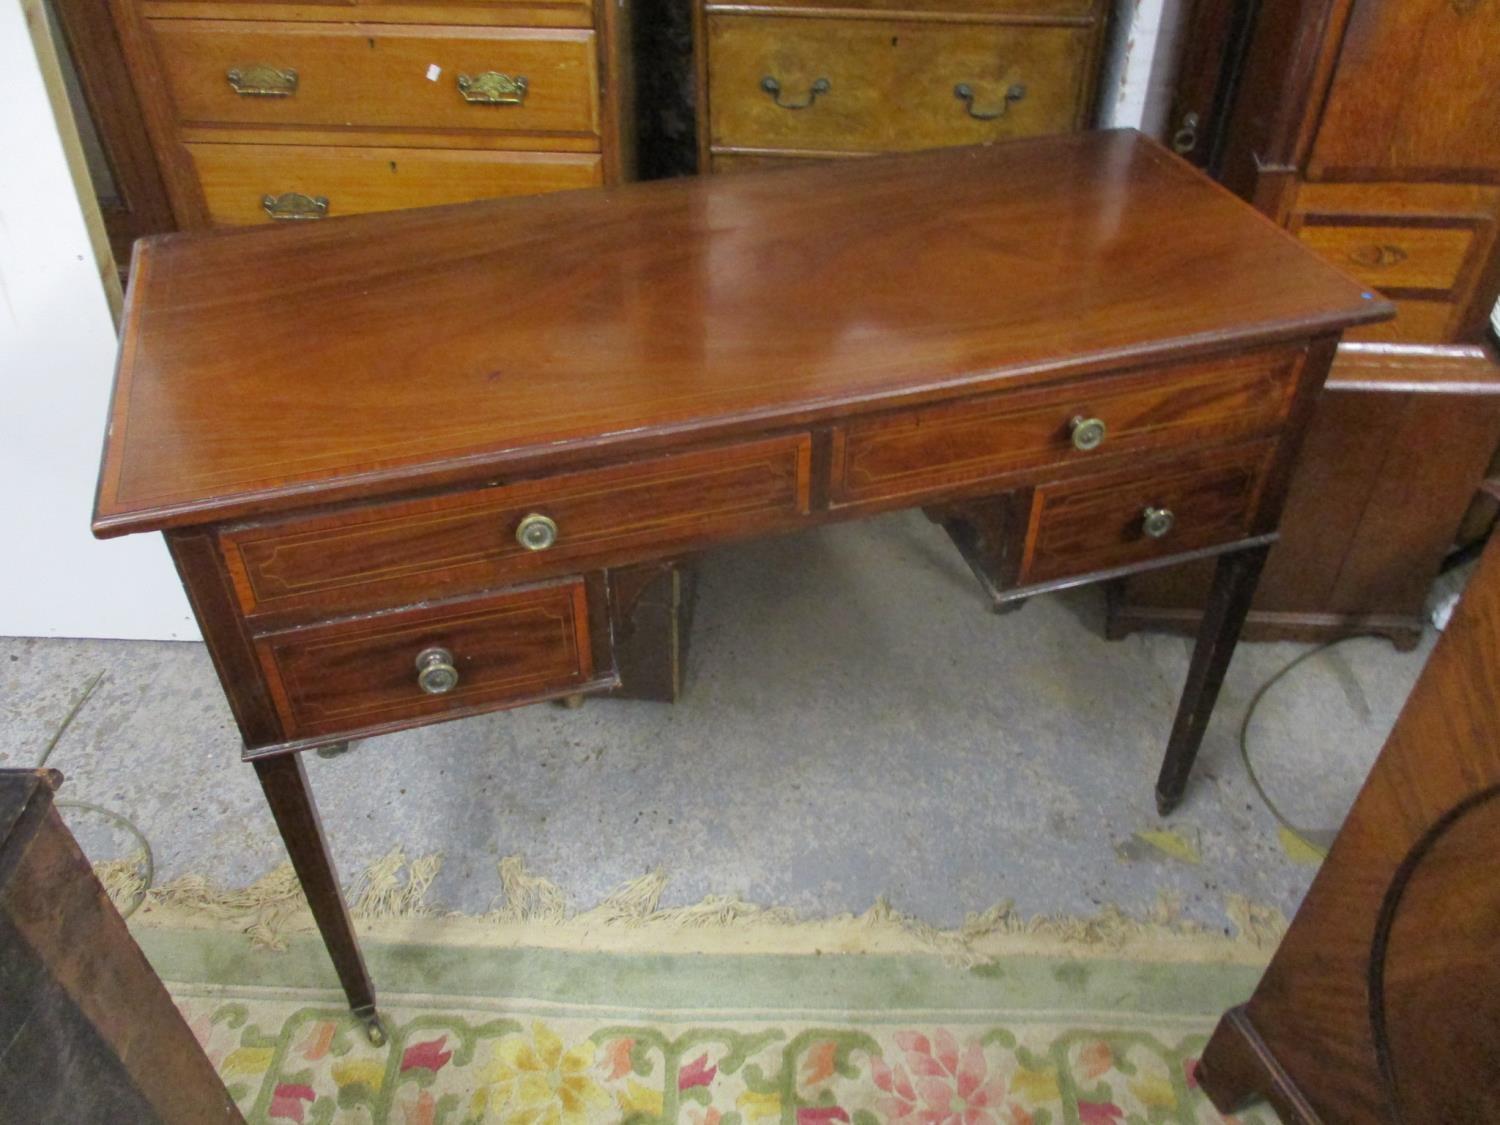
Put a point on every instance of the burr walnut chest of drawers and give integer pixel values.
(782, 80)
(1082, 358)
(279, 111)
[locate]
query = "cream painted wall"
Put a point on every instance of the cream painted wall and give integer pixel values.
(57, 347)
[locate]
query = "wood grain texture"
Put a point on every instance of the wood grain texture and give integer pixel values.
(891, 82)
(1398, 443)
(354, 76)
(383, 555)
(1096, 523)
(1163, 409)
(1378, 1005)
(557, 328)
(91, 1035)
(356, 180)
(358, 674)
(1412, 81)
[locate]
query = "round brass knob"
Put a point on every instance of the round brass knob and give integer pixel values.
(1156, 522)
(436, 674)
(1087, 433)
(536, 532)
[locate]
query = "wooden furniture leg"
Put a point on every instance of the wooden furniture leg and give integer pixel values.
(284, 781)
(1235, 577)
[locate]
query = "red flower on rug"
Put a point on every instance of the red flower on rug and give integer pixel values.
(945, 1084)
(287, 1101)
(428, 1055)
(696, 1073)
(1099, 1113)
(821, 1115)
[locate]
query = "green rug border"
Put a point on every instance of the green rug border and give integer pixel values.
(778, 985)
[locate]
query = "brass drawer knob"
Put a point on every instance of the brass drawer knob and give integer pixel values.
(536, 532)
(773, 87)
(294, 207)
(436, 674)
(262, 81)
(1087, 433)
(1157, 522)
(965, 93)
(492, 88)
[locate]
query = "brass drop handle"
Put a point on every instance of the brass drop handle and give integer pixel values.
(492, 88)
(294, 207)
(536, 532)
(262, 81)
(773, 87)
(436, 674)
(965, 93)
(1157, 522)
(1087, 433)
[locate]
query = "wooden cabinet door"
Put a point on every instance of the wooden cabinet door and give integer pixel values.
(1415, 94)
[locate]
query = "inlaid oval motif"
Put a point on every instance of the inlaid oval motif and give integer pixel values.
(1378, 254)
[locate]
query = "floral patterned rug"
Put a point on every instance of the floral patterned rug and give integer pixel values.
(539, 1036)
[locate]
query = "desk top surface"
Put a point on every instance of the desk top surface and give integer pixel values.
(264, 370)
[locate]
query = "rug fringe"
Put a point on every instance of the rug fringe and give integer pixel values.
(534, 910)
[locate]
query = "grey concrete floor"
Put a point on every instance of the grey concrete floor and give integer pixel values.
(856, 724)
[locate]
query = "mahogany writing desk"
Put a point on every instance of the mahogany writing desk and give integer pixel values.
(400, 458)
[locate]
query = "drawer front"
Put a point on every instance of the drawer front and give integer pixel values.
(245, 184)
(1390, 256)
(1104, 522)
(390, 554)
(948, 446)
(370, 76)
(505, 649)
(889, 84)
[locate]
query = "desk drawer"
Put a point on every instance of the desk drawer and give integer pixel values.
(237, 179)
(375, 76)
(392, 554)
(393, 668)
(1111, 520)
(889, 84)
(985, 439)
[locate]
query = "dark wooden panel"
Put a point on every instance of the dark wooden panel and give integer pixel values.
(90, 1035)
(379, 556)
(1161, 409)
(546, 330)
(507, 648)
(1382, 1002)
(1098, 522)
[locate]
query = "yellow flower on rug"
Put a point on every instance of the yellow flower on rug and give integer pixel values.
(533, 1080)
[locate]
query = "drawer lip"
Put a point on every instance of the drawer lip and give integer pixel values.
(494, 560)
(1001, 410)
(570, 594)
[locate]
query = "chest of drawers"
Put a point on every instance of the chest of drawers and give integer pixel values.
(1080, 357)
(262, 112)
(785, 80)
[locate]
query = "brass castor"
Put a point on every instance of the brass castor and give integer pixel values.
(334, 750)
(369, 1018)
(572, 702)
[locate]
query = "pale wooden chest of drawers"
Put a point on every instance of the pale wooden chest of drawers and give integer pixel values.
(784, 80)
(279, 111)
